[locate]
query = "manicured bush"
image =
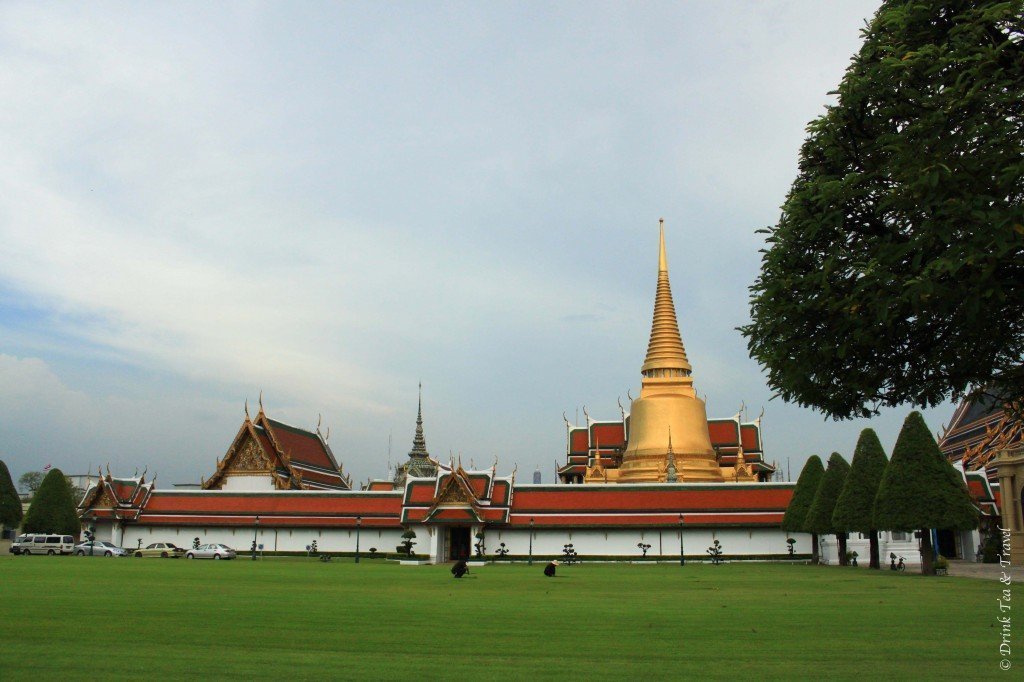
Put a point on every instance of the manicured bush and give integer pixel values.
(853, 512)
(819, 516)
(921, 490)
(53, 509)
(10, 503)
(800, 504)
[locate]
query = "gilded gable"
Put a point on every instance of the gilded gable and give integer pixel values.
(249, 459)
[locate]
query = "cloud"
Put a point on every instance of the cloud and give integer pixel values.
(333, 202)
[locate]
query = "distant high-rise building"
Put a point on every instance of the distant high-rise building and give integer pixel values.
(536, 476)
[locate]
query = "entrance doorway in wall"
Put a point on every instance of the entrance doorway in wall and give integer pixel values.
(458, 543)
(948, 544)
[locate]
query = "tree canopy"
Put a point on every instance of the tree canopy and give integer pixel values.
(896, 271)
(803, 495)
(53, 509)
(853, 512)
(30, 481)
(819, 516)
(920, 489)
(10, 503)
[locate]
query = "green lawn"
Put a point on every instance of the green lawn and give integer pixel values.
(69, 616)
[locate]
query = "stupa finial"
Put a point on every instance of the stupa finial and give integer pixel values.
(666, 355)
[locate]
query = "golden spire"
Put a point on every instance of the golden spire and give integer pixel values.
(665, 353)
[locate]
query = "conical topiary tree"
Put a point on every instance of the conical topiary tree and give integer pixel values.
(53, 509)
(10, 503)
(853, 512)
(819, 516)
(803, 495)
(920, 490)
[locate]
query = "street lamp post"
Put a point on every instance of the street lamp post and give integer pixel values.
(359, 523)
(255, 531)
(529, 561)
(682, 553)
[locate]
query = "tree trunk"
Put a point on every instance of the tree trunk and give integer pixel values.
(873, 537)
(841, 541)
(927, 567)
(814, 549)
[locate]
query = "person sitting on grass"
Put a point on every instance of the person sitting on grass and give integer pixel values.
(549, 570)
(460, 568)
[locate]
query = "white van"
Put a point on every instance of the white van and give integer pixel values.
(40, 543)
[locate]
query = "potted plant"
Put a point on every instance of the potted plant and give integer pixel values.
(789, 545)
(407, 543)
(715, 552)
(851, 558)
(941, 565)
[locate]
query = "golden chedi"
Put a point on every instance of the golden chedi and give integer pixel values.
(668, 416)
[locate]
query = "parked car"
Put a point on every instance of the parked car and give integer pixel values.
(212, 551)
(42, 543)
(99, 548)
(164, 550)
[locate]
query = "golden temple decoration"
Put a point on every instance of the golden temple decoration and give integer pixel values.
(454, 494)
(250, 459)
(667, 403)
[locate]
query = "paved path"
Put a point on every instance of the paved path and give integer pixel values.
(970, 569)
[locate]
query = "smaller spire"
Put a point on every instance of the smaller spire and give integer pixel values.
(419, 443)
(670, 469)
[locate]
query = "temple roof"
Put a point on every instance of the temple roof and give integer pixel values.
(981, 427)
(293, 457)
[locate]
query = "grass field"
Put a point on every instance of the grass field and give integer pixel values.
(94, 617)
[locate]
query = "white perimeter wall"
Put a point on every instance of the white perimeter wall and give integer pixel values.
(432, 541)
(663, 542)
(272, 539)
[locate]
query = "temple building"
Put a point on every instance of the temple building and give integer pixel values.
(638, 447)
(272, 455)
(986, 440)
(662, 477)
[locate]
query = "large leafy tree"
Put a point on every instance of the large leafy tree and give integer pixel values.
(30, 481)
(853, 512)
(819, 516)
(800, 503)
(10, 503)
(921, 490)
(896, 271)
(53, 508)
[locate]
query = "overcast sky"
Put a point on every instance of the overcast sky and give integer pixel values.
(331, 202)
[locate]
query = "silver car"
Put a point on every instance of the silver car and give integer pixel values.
(211, 551)
(99, 548)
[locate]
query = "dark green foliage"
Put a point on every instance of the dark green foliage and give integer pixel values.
(819, 516)
(919, 488)
(896, 271)
(853, 512)
(53, 509)
(29, 481)
(803, 495)
(10, 503)
(992, 547)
